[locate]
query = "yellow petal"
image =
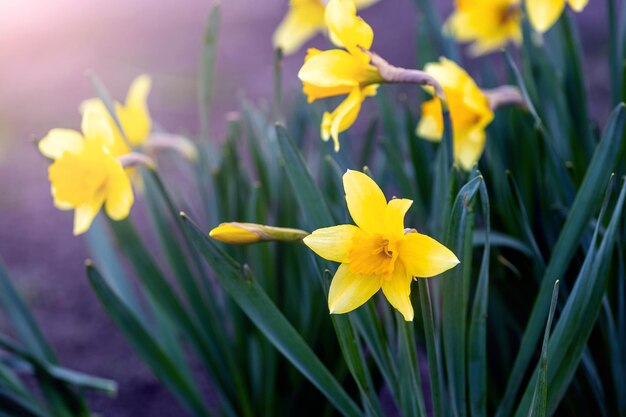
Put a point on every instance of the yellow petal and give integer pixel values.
(468, 147)
(578, 5)
(302, 22)
(85, 213)
(337, 68)
(362, 4)
(424, 257)
(349, 291)
(397, 290)
(96, 127)
(57, 141)
(234, 234)
(342, 117)
(544, 13)
(366, 202)
(430, 126)
(119, 146)
(347, 29)
(333, 243)
(394, 216)
(119, 193)
(134, 116)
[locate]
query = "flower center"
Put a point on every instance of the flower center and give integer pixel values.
(372, 255)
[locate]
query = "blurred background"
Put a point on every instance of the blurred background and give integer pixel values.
(45, 50)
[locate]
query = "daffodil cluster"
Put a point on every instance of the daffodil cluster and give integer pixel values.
(86, 172)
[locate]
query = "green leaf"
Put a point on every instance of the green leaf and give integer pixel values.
(539, 405)
(207, 70)
(585, 203)
(477, 337)
(580, 313)
(455, 287)
(22, 320)
(250, 297)
(146, 346)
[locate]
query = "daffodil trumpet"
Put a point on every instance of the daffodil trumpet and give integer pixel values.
(235, 233)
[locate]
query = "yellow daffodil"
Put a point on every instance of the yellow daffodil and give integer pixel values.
(133, 115)
(544, 13)
(469, 111)
(488, 24)
(376, 253)
(304, 20)
(340, 72)
(84, 174)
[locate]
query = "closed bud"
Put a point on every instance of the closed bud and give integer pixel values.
(235, 233)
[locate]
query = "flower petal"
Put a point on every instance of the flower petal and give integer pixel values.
(544, 13)
(366, 202)
(347, 29)
(468, 147)
(424, 257)
(361, 4)
(96, 127)
(336, 68)
(349, 291)
(134, 116)
(333, 243)
(119, 193)
(397, 290)
(342, 117)
(394, 216)
(57, 141)
(578, 5)
(303, 20)
(430, 126)
(85, 213)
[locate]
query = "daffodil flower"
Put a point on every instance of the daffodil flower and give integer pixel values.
(133, 116)
(304, 20)
(341, 71)
(469, 110)
(84, 174)
(544, 13)
(376, 253)
(488, 24)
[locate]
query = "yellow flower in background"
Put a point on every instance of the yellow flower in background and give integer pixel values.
(133, 115)
(469, 111)
(84, 175)
(488, 24)
(303, 21)
(340, 72)
(376, 253)
(544, 13)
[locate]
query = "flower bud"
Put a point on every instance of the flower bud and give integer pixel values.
(246, 233)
